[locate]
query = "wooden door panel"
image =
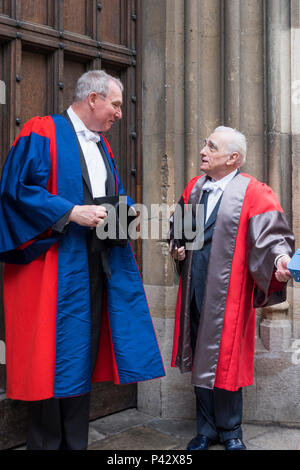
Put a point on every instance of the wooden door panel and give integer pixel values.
(4, 137)
(72, 71)
(3, 107)
(7, 111)
(114, 139)
(38, 11)
(78, 17)
(34, 85)
(114, 135)
(2, 335)
(111, 20)
(5, 7)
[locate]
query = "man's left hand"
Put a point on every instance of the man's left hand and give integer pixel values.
(283, 274)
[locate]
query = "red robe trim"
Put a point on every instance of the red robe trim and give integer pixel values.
(235, 354)
(38, 322)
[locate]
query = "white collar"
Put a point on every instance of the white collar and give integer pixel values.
(76, 121)
(80, 127)
(222, 183)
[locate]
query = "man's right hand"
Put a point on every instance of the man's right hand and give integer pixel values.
(177, 253)
(88, 215)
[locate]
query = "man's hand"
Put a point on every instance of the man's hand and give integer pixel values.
(283, 274)
(177, 253)
(88, 215)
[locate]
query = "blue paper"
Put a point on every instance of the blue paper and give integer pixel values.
(294, 266)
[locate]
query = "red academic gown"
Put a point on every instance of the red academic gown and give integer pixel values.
(47, 281)
(251, 230)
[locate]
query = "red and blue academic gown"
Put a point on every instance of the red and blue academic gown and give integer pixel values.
(250, 231)
(46, 277)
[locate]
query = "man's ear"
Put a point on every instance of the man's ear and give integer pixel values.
(92, 99)
(233, 159)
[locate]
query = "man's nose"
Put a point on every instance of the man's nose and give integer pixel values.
(119, 114)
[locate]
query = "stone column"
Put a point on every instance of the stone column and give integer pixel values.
(163, 182)
(191, 87)
(256, 97)
(202, 80)
(278, 99)
(244, 77)
(232, 64)
(275, 328)
(210, 67)
(182, 50)
(295, 131)
(206, 63)
(275, 393)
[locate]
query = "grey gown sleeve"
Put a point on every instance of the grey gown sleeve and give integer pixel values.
(269, 235)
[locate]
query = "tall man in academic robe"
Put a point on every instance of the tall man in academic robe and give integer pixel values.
(236, 262)
(75, 307)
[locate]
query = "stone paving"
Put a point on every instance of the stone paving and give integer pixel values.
(133, 430)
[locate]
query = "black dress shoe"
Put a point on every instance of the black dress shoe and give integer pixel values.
(235, 444)
(200, 442)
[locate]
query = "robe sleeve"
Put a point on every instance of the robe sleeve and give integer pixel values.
(269, 235)
(29, 206)
(176, 233)
(62, 224)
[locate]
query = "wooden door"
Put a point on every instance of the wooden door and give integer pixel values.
(45, 45)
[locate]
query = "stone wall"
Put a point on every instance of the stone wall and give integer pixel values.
(206, 63)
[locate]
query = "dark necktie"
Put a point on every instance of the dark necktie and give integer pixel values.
(203, 201)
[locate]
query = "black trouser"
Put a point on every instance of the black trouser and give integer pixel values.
(58, 423)
(63, 423)
(219, 412)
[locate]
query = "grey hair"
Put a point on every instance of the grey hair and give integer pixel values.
(238, 143)
(96, 81)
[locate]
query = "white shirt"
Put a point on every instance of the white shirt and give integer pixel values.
(217, 189)
(92, 155)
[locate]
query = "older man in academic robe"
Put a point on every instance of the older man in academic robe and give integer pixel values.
(236, 262)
